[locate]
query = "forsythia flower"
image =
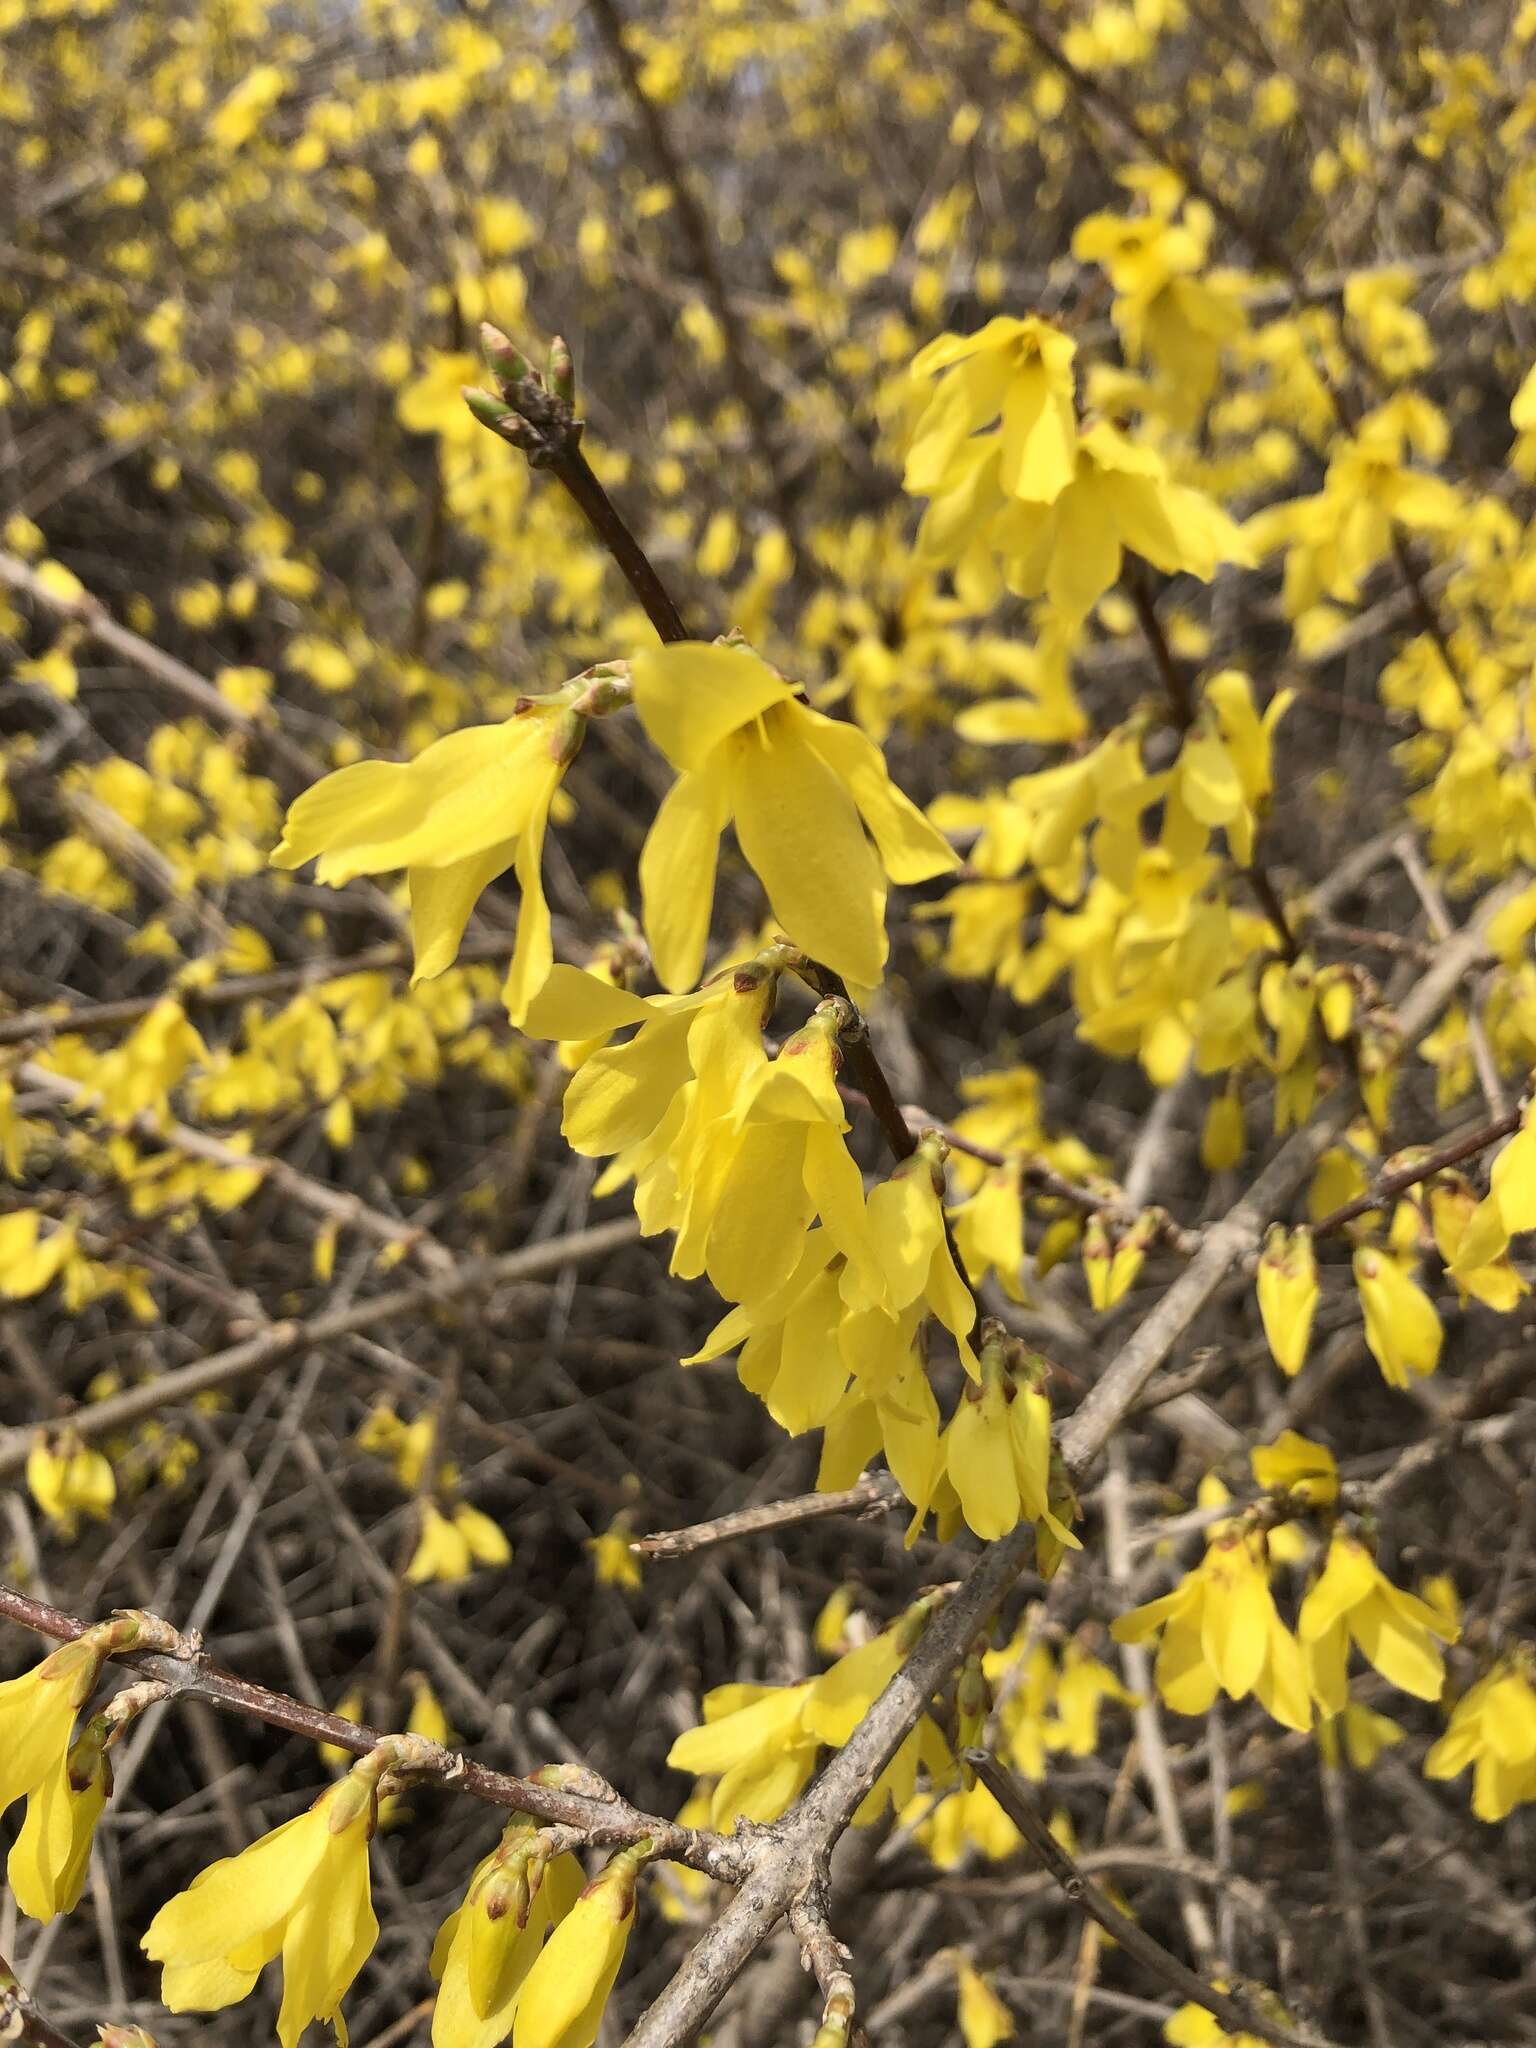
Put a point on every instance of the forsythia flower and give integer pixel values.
(1354, 1601)
(484, 1951)
(37, 1710)
(801, 788)
(471, 806)
(68, 1481)
(1069, 549)
(1493, 1728)
(983, 2018)
(760, 1741)
(450, 1546)
(301, 1892)
(1295, 1465)
(1288, 1295)
(50, 1855)
(563, 1995)
(1402, 1327)
(1015, 372)
(1221, 1633)
(613, 1556)
(998, 1444)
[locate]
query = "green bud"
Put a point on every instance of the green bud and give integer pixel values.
(561, 372)
(507, 362)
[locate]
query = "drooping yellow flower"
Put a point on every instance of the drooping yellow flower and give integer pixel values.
(301, 1892)
(1295, 1465)
(451, 1545)
(760, 1741)
(1288, 1295)
(563, 1995)
(485, 1949)
(1493, 1728)
(1069, 549)
(997, 1448)
(1015, 372)
(37, 1711)
(983, 2018)
(801, 789)
(50, 1855)
(1221, 1633)
(906, 1228)
(1402, 1328)
(1354, 1601)
(471, 806)
(69, 1479)
(613, 1556)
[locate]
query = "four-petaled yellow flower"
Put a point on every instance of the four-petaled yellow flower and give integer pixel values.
(563, 1995)
(484, 1951)
(301, 1893)
(50, 1855)
(1017, 373)
(1493, 1728)
(68, 1480)
(471, 806)
(1354, 1601)
(801, 789)
(1221, 1633)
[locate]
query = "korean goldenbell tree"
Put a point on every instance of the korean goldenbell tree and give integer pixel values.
(767, 1023)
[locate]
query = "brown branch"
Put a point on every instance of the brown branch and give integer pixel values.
(869, 1496)
(1391, 1185)
(573, 470)
(20, 2019)
(1237, 2015)
(599, 1814)
(254, 1354)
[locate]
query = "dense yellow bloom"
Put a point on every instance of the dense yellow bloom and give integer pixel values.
(1354, 1602)
(1221, 1633)
(1493, 1728)
(801, 789)
(471, 806)
(485, 1949)
(562, 1998)
(301, 1892)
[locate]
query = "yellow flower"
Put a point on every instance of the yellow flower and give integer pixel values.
(1493, 1728)
(906, 1228)
(1015, 372)
(471, 806)
(998, 1444)
(983, 2018)
(37, 1713)
(484, 1951)
(1353, 1601)
(760, 1741)
(50, 1855)
(300, 1892)
(1069, 549)
(1082, 1686)
(70, 1481)
(1221, 1632)
(1401, 1326)
(801, 789)
(1295, 1465)
(613, 1557)
(563, 1995)
(450, 1546)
